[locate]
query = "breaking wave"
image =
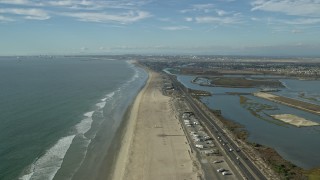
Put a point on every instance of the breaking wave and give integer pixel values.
(47, 165)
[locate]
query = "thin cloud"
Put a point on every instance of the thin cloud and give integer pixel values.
(175, 28)
(199, 7)
(84, 48)
(28, 3)
(218, 20)
(70, 3)
(255, 19)
(33, 14)
(123, 18)
(122, 11)
(203, 6)
(78, 5)
(202, 15)
(17, 2)
(303, 21)
(86, 4)
(5, 19)
(188, 19)
(293, 7)
(296, 31)
(297, 21)
(164, 19)
(99, 4)
(221, 12)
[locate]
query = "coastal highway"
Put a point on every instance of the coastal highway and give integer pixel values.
(248, 168)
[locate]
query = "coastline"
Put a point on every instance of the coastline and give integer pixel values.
(107, 169)
(153, 145)
(103, 150)
(118, 166)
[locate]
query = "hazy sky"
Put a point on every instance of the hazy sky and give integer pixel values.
(224, 27)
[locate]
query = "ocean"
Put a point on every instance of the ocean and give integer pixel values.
(59, 117)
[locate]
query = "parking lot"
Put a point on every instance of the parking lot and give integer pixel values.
(206, 149)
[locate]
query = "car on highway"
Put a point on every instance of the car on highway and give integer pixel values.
(218, 161)
(226, 173)
(220, 170)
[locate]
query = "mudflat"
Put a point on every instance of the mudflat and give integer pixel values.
(305, 106)
(294, 120)
(154, 145)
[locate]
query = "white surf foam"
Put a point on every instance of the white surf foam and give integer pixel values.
(110, 95)
(47, 165)
(135, 76)
(84, 126)
(29, 174)
(101, 104)
(86, 143)
(89, 114)
(136, 72)
(104, 99)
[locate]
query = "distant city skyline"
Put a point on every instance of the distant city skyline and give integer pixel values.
(216, 27)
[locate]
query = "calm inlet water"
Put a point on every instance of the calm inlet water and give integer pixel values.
(298, 145)
(54, 111)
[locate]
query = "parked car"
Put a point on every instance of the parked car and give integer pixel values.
(219, 161)
(226, 173)
(220, 170)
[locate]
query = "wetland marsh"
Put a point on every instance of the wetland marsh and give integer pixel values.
(297, 145)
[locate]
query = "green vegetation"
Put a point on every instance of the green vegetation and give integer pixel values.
(194, 92)
(237, 93)
(256, 109)
(237, 129)
(243, 100)
(313, 174)
(305, 106)
(310, 98)
(244, 82)
(285, 169)
(298, 104)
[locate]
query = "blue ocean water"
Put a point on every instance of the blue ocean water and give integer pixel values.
(55, 113)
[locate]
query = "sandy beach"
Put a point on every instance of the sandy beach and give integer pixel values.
(154, 145)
